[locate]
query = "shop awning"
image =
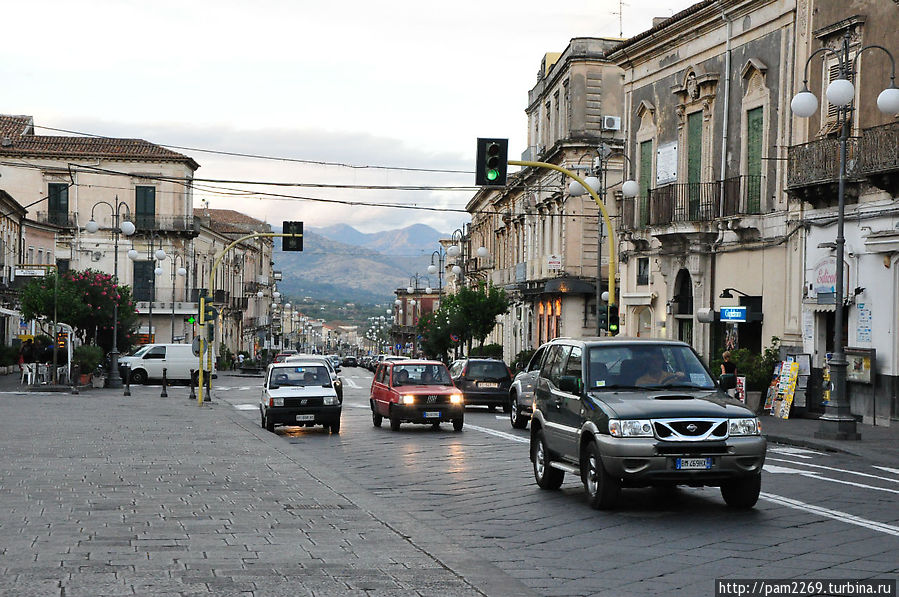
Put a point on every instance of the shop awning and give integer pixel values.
(819, 307)
(4, 311)
(568, 286)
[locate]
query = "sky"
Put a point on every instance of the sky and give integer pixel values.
(404, 86)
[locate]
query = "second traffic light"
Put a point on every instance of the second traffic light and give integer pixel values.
(603, 315)
(490, 169)
(613, 320)
(292, 243)
(208, 313)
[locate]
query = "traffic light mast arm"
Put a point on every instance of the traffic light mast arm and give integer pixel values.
(216, 263)
(613, 258)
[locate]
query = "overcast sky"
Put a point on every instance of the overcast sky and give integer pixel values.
(393, 83)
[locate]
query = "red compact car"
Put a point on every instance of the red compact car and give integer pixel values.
(411, 391)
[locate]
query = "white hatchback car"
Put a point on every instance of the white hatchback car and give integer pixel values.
(299, 393)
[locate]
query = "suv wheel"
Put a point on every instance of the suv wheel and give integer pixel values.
(742, 493)
(602, 489)
(518, 421)
(546, 476)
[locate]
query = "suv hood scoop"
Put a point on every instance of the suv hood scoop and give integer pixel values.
(674, 397)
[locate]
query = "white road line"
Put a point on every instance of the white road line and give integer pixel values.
(246, 406)
(797, 452)
(887, 469)
(830, 468)
(834, 514)
(349, 382)
(502, 434)
(770, 468)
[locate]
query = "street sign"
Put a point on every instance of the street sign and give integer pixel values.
(195, 346)
(30, 272)
(733, 314)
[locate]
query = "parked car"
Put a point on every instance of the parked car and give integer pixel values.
(364, 361)
(335, 362)
(178, 360)
(349, 361)
(335, 379)
(299, 392)
(521, 392)
(415, 391)
(282, 356)
(483, 381)
(632, 412)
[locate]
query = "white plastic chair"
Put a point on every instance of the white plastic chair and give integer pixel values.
(28, 373)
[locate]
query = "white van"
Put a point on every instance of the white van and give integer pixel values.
(148, 361)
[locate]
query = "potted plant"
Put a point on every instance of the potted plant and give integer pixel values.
(87, 357)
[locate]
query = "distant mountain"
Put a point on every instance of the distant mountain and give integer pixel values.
(340, 263)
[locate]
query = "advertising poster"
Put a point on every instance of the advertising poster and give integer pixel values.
(771, 395)
(789, 376)
(741, 389)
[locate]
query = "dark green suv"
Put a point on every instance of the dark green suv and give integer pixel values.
(633, 412)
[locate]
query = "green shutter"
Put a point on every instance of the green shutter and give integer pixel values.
(754, 128)
(645, 181)
(58, 203)
(694, 161)
(145, 207)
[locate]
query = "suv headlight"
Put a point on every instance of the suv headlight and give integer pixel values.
(748, 426)
(455, 398)
(630, 428)
(407, 399)
(330, 401)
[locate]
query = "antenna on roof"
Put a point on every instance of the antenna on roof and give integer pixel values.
(620, 14)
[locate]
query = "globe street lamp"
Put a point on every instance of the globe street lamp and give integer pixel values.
(182, 272)
(153, 255)
(837, 421)
(127, 228)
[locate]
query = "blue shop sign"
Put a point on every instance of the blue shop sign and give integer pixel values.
(733, 314)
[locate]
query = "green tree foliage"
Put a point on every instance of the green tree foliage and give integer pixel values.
(468, 315)
(756, 368)
(84, 300)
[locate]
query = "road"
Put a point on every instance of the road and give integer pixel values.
(821, 515)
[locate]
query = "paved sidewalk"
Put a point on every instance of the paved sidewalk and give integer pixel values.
(102, 494)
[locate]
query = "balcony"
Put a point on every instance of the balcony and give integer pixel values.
(64, 219)
(164, 223)
(814, 167)
(239, 303)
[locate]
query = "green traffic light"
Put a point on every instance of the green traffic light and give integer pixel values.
(492, 174)
(191, 319)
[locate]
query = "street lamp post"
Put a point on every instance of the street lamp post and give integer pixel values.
(181, 271)
(629, 188)
(127, 228)
(154, 255)
(437, 268)
(837, 421)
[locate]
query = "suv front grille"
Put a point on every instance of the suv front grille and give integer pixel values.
(690, 430)
(311, 401)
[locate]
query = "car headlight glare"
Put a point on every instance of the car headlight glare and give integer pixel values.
(408, 399)
(277, 402)
(630, 427)
(456, 399)
(747, 426)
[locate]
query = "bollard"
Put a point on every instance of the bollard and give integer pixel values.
(76, 373)
(127, 391)
(207, 380)
(164, 394)
(193, 395)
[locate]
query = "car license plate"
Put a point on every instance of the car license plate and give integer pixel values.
(430, 414)
(488, 384)
(691, 464)
(305, 417)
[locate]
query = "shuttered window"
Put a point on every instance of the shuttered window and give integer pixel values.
(145, 207)
(694, 161)
(645, 182)
(754, 135)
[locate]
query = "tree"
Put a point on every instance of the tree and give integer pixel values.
(470, 314)
(84, 300)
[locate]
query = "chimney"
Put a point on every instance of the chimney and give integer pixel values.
(657, 20)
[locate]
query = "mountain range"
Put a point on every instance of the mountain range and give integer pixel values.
(343, 264)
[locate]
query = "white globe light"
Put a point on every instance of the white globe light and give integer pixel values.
(457, 270)
(432, 269)
(410, 290)
(804, 104)
(397, 302)
(160, 255)
(888, 101)
(274, 305)
(127, 228)
(630, 188)
(276, 294)
(453, 250)
(92, 226)
(575, 189)
(158, 271)
(182, 272)
(260, 294)
(605, 296)
(412, 303)
(593, 183)
(133, 254)
(840, 92)
(483, 252)
(287, 305)
(428, 290)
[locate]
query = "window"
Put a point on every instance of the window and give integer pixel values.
(645, 182)
(573, 367)
(694, 162)
(643, 271)
(40, 256)
(157, 352)
(30, 255)
(754, 135)
(143, 278)
(58, 203)
(62, 265)
(145, 207)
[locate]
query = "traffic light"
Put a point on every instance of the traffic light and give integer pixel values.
(613, 320)
(491, 162)
(603, 315)
(294, 243)
(191, 320)
(208, 313)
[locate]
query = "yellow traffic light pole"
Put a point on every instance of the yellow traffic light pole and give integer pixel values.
(203, 323)
(613, 257)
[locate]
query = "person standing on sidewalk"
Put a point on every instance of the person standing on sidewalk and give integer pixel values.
(728, 368)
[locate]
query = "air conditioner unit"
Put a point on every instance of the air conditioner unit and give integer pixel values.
(611, 123)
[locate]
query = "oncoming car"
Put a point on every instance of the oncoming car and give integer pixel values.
(299, 393)
(415, 391)
(326, 361)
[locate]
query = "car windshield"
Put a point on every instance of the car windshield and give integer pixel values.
(305, 375)
(624, 366)
(421, 375)
(140, 351)
(487, 370)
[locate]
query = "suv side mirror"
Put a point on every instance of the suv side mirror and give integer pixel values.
(570, 384)
(727, 381)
